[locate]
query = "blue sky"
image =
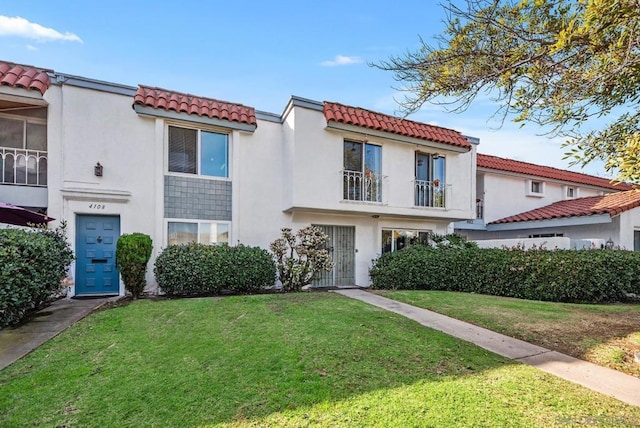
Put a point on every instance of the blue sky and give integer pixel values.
(256, 53)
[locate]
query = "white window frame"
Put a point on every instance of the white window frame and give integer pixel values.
(529, 189)
(566, 189)
(199, 130)
(198, 222)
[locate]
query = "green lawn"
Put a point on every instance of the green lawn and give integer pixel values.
(603, 334)
(309, 359)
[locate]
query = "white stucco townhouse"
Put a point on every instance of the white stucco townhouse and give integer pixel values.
(110, 159)
(521, 202)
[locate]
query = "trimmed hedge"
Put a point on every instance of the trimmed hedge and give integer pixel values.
(132, 255)
(589, 276)
(32, 265)
(195, 269)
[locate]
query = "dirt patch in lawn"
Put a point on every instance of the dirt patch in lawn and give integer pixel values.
(609, 339)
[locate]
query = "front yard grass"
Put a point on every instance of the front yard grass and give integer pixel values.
(607, 335)
(308, 359)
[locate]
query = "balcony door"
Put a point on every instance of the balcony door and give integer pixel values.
(362, 174)
(430, 180)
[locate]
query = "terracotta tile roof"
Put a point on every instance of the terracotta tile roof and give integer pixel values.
(395, 125)
(191, 104)
(510, 165)
(24, 76)
(612, 204)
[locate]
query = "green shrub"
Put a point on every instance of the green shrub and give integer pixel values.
(194, 269)
(32, 265)
(553, 275)
(132, 255)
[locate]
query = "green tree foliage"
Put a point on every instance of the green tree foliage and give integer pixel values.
(557, 63)
(301, 257)
(132, 255)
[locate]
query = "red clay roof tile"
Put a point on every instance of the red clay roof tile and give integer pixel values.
(510, 165)
(395, 125)
(191, 104)
(24, 76)
(612, 204)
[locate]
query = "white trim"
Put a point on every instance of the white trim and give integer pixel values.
(22, 95)
(106, 195)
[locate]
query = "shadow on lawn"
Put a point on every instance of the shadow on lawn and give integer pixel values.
(220, 360)
(294, 359)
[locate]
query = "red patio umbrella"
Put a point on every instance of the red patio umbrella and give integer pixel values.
(19, 216)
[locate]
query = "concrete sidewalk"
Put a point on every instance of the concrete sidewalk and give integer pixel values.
(601, 379)
(16, 342)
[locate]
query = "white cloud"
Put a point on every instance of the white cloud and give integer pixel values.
(31, 48)
(20, 27)
(342, 60)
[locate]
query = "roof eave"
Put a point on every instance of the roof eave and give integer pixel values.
(548, 223)
(610, 188)
(186, 117)
(367, 132)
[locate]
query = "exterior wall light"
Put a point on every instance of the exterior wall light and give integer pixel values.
(97, 170)
(609, 244)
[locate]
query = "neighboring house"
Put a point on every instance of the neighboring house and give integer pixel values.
(523, 200)
(111, 159)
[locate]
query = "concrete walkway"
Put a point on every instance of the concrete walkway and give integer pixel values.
(16, 342)
(601, 379)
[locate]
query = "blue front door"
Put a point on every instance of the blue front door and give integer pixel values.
(96, 238)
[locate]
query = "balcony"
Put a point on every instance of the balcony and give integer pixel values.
(358, 186)
(431, 194)
(23, 167)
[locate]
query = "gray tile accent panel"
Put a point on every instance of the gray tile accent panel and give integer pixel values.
(197, 198)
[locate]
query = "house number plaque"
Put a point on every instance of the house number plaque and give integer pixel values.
(97, 206)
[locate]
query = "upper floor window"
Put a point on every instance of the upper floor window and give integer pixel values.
(571, 192)
(430, 185)
(362, 174)
(23, 148)
(194, 151)
(535, 188)
(23, 134)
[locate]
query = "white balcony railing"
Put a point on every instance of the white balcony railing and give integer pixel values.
(431, 193)
(358, 186)
(23, 167)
